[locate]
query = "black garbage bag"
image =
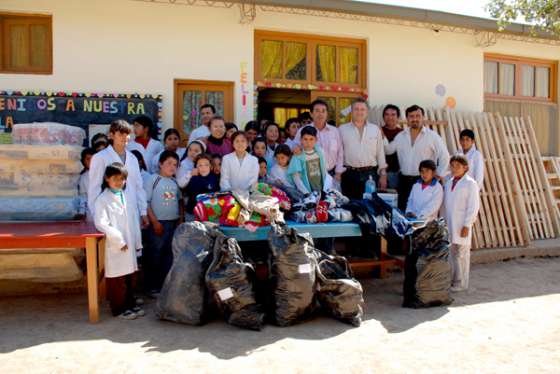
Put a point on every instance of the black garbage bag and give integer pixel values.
(230, 282)
(184, 297)
(427, 271)
(294, 274)
(338, 292)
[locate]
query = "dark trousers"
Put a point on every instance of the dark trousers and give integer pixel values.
(405, 186)
(159, 255)
(120, 293)
(353, 183)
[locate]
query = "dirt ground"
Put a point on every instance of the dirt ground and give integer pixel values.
(508, 323)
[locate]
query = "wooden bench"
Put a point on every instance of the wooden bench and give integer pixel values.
(322, 230)
(67, 235)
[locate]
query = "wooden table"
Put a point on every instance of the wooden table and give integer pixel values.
(65, 235)
(322, 230)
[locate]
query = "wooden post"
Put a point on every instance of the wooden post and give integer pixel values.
(92, 279)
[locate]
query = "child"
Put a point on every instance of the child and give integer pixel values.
(259, 147)
(111, 218)
(171, 142)
(143, 172)
(251, 131)
(240, 170)
(217, 141)
(204, 182)
(272, 134)
(263, 170)
(308, 170)
(476, 162)
(305, 119)
(143, 127)
(165, 210)
(291, 129)
(186, 167)
(279, 172)
(231, 128)
(216, 164)
(99, 142)
(86, 156)
(426, 196)
(461, 204)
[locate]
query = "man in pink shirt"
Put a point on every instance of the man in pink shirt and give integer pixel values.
(328, 138)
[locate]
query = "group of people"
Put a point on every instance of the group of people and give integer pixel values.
(137, 191)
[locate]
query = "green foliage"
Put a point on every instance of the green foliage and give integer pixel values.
(541, 14)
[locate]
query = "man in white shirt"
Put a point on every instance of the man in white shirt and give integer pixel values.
(414, 145)
(364, 155)
(328, 138)
(207, 111)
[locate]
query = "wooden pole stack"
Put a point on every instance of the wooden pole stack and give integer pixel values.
(517, 204)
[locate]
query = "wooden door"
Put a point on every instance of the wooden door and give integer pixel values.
(191, 94)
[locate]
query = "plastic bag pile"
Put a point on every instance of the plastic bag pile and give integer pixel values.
(209, 268)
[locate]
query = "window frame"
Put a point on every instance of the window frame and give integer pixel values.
(28, 19)
(312, 41)
(518, 63)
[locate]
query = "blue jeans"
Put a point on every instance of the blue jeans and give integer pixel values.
(393, 180)
(159, 255)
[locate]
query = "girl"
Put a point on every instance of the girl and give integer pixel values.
(251, 131)
(291, 129)
(165, 210)
(217, 143)
(263, 170)
(143, 142)
(426, 196)
(206, 181)
(171, 141)
(216, 165)
(186, 167)
(259, 147)
(99, 142)
(143, 172)
(112, 218)
(240, 170)
(86, 156)
(279, 172)
(461, 203)
(231, 128)
(272, 134)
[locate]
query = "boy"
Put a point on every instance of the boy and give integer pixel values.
(263, 169)
(308, 170)
(476, 162)
(461, 203)
(165, 210)
(148, 147)
(279, 172)
(204, 182)
(426, 196)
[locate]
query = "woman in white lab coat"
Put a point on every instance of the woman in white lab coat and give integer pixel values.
(111, 218)
(148, 147)
(240, 170)
(461, 204)
(135, 194)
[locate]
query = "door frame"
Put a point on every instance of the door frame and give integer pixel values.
(229, 100)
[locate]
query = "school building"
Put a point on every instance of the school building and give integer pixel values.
(270, 58)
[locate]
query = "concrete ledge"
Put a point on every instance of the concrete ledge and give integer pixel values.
(538, 248)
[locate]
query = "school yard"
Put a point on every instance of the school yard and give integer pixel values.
(508, 323)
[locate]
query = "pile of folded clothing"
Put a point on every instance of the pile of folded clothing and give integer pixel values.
(320, 208)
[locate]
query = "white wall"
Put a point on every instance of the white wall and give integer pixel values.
(127, 46)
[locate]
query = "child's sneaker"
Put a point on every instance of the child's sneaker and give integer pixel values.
(138, 311)
(128, 314)
(139, 301)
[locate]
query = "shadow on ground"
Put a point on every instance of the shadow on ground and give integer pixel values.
(32, 321)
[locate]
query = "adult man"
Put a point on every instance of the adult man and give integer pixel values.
(364, 155)
(391, 115)
(414, 145)
(328, 138)
(207, 111)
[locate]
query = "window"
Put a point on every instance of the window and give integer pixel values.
(339, 105)
(519, 78)
(191, 94)
(309, 59)
(25, 43)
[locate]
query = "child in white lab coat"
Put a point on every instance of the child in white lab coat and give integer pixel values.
(476, 161)
(83, 182)
(112, 219)
(426, 195)
(240, 170)
(461, 202)
(143, 141)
